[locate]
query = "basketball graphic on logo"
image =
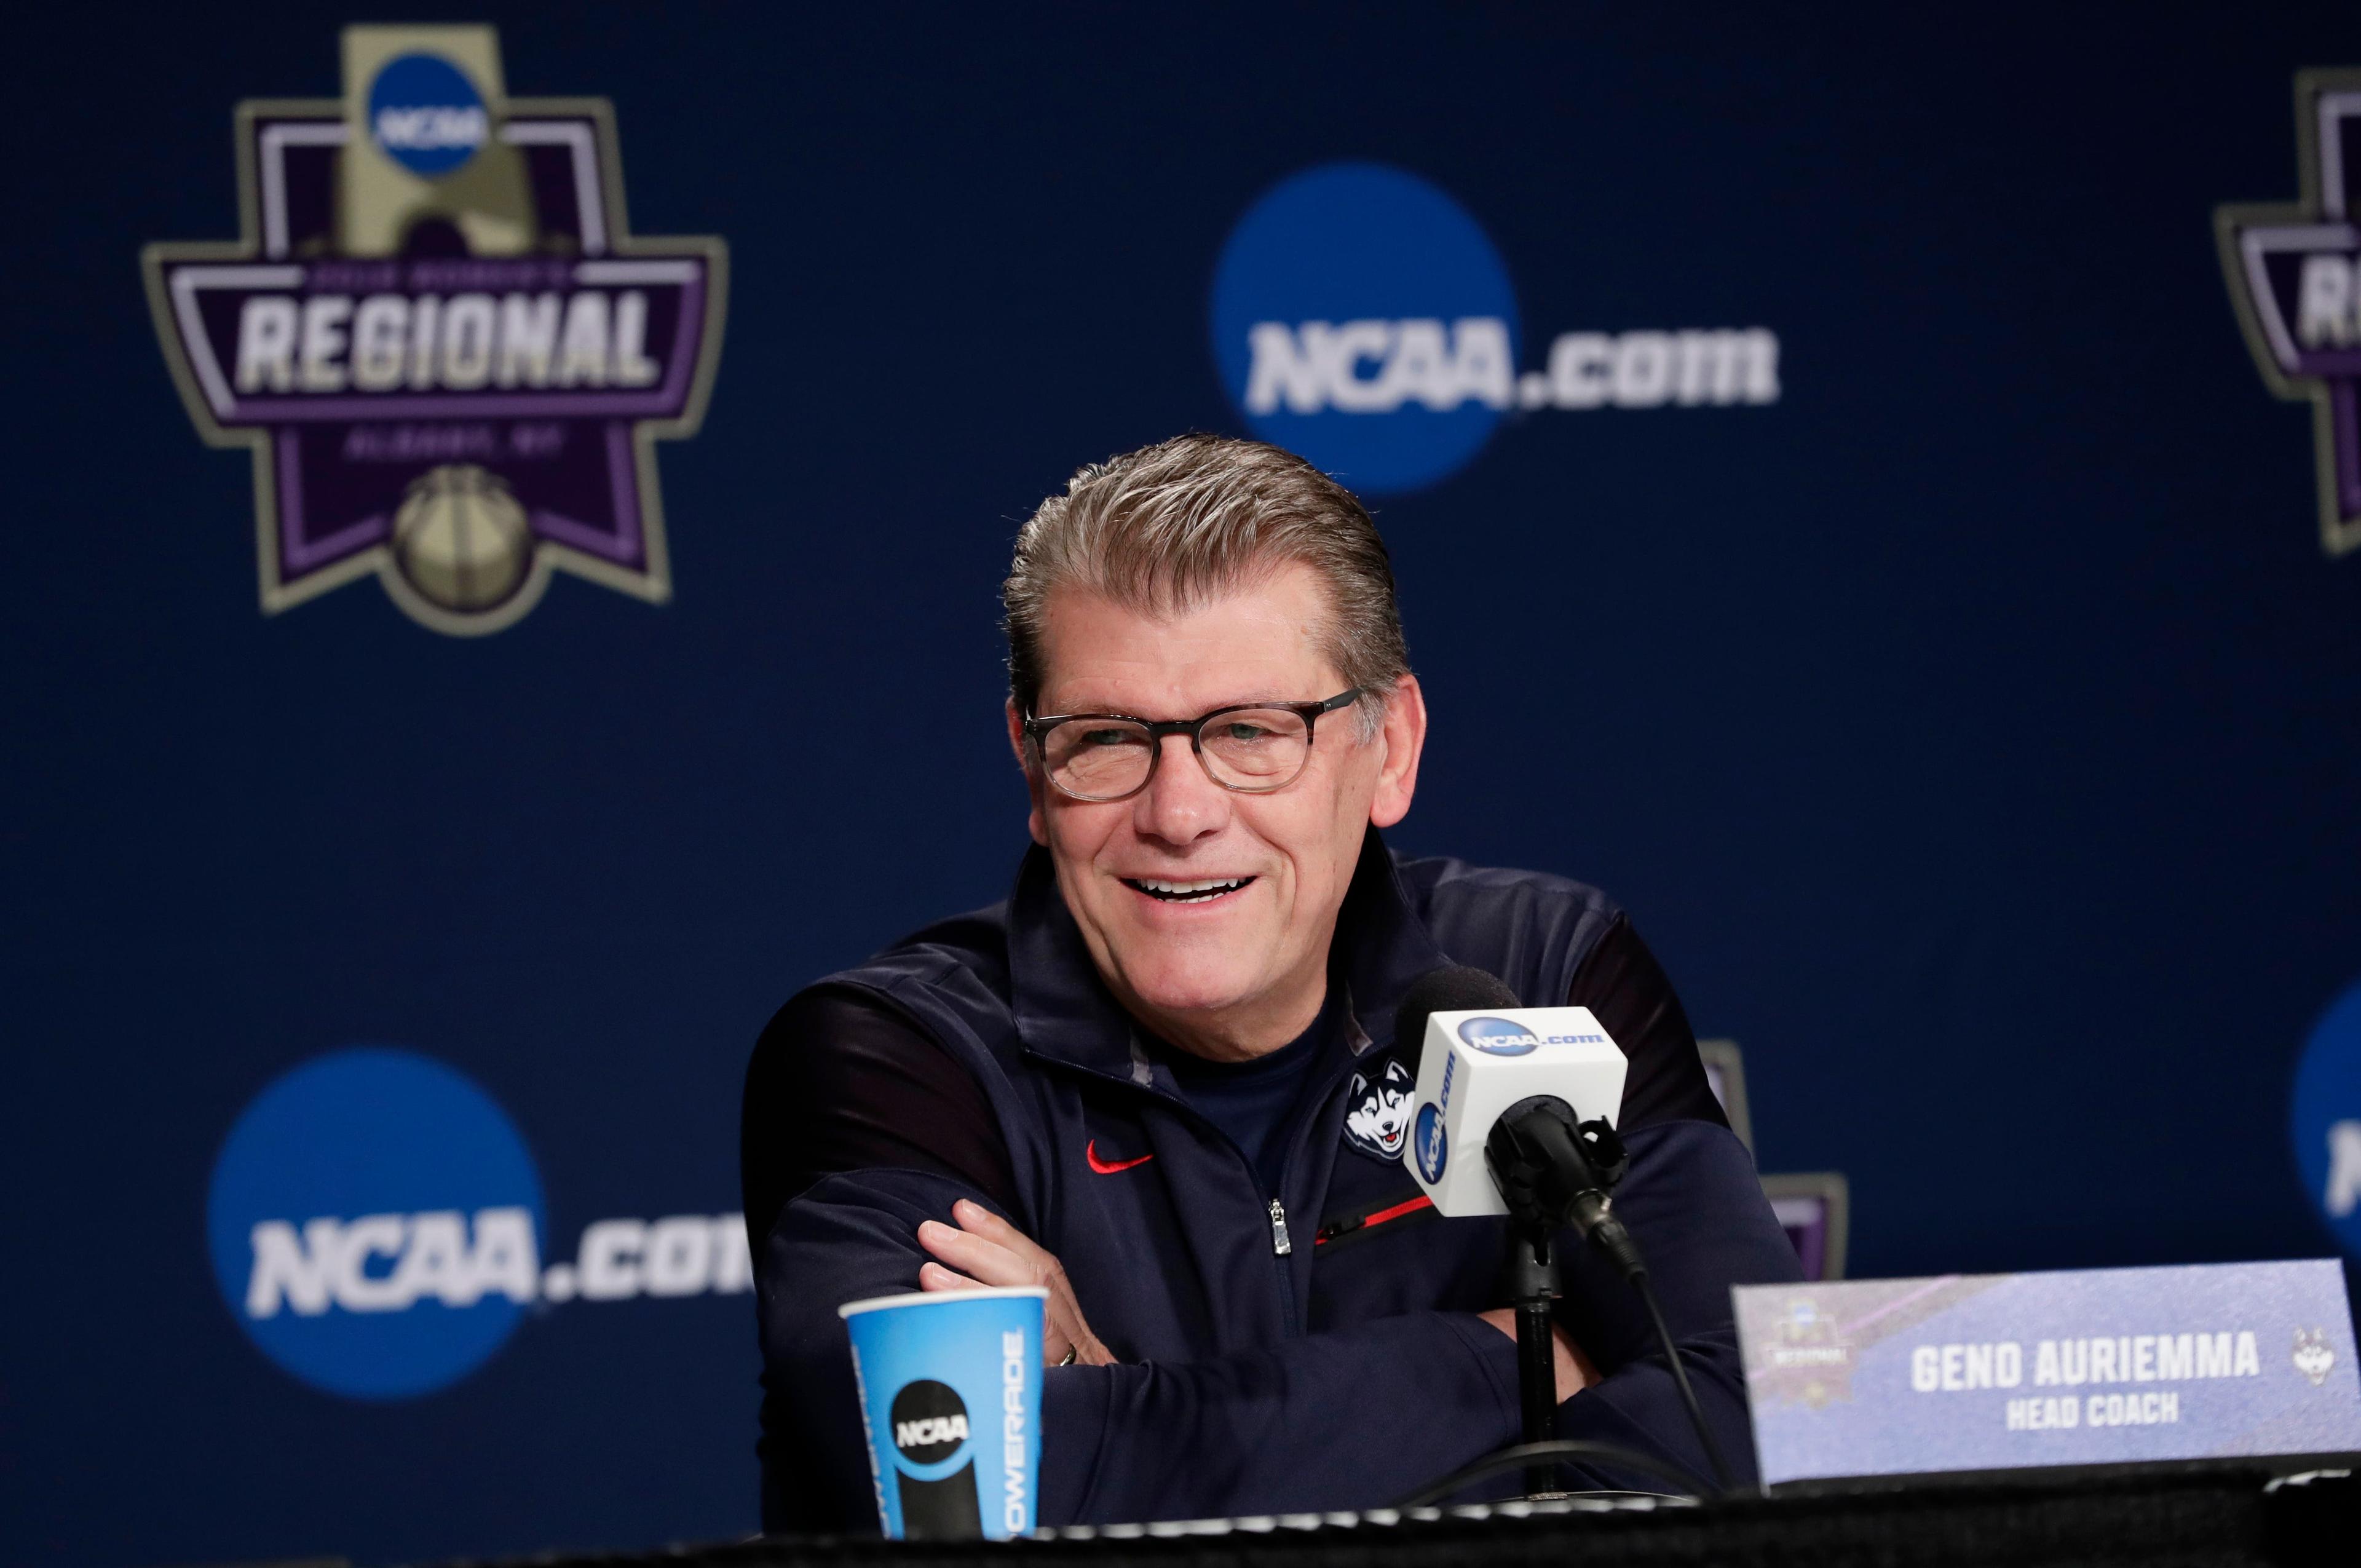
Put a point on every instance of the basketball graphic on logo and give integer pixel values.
(461, 539)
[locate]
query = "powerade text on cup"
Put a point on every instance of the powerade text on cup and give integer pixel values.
(950, 1399)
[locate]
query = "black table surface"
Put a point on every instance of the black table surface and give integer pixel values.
(2213, 1515)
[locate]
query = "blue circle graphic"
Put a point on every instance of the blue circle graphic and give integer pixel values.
(375, 1222)
(426, 116)
(1361, 318)
(1498, 1037)
(1432, 1143)
(2324, 1118)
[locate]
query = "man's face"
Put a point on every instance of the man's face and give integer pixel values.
(1240, 972)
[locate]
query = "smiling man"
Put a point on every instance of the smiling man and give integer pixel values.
(1160, 1078)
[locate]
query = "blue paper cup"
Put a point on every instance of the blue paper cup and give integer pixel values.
(951, 1396)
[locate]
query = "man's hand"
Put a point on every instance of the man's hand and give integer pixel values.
(1575, 1372)
(990, 1251)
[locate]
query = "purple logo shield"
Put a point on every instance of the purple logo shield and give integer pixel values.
(2295, 279)
(448, 354)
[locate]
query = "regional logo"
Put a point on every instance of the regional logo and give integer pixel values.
(2295, 280)
(1806, 1359)
(447, 352)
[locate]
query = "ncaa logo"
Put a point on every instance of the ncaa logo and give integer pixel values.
(374, 1224)
(1432, 1143)
(2324, 1118)
(1362, 319)
(1498, 1037)
(929, 1425)
(426, 116)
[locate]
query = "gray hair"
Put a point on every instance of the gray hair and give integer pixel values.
(1176, 525)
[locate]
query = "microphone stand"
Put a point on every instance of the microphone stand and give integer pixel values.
(1532, 1281)
(1551, 1172)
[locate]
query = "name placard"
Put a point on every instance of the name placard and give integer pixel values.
(2010, 1371)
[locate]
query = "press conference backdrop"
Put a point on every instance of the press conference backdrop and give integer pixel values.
(501, 593)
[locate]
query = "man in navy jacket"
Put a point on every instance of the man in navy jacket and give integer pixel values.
(1160, 1078)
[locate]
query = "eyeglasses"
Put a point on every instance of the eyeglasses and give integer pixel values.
(1253, 749)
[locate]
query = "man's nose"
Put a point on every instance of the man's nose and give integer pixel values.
(1181, 803)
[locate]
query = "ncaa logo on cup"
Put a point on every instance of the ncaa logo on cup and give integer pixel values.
(1498, 1037)
(376, 1226)
(1361, 317)
(929, 1423)
(2324, 1118)
(1431, 1143)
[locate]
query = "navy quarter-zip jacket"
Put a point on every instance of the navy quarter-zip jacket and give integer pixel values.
(1310, 1349)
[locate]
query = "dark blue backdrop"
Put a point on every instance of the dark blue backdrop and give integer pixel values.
(1974, 731)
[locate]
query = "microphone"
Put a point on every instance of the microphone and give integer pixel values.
(1514, 1081)
(1545, 1084)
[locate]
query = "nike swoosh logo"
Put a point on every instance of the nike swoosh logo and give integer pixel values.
(1103, 1168)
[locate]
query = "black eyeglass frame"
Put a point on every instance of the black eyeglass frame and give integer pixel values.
(1037, 731)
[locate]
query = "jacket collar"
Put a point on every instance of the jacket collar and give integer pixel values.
(1065, 1013)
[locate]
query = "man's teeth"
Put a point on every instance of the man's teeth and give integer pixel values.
(1188, 892)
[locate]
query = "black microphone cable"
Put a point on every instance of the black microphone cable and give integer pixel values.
(1636, 1271)
(1558, 1450)
(1552, 1166)
(1611, 1236)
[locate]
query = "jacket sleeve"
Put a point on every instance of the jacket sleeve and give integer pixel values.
(1629, 993)
(1693, 1202)
(1355, 1418)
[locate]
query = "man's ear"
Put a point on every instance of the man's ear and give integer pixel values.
(1403, 738)
(1018, 744)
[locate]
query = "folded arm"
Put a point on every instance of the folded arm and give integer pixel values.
(1354, 1417)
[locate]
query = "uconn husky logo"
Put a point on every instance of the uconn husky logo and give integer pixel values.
(1499, 1036)
(1377, 1118)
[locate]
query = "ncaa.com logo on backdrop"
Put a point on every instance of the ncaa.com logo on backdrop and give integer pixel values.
(2324, 1118)
(376, 1227)
(1362, 318)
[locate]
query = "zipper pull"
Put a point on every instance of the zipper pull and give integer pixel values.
(1279, 1246)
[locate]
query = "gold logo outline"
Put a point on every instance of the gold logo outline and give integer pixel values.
(652, 585)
